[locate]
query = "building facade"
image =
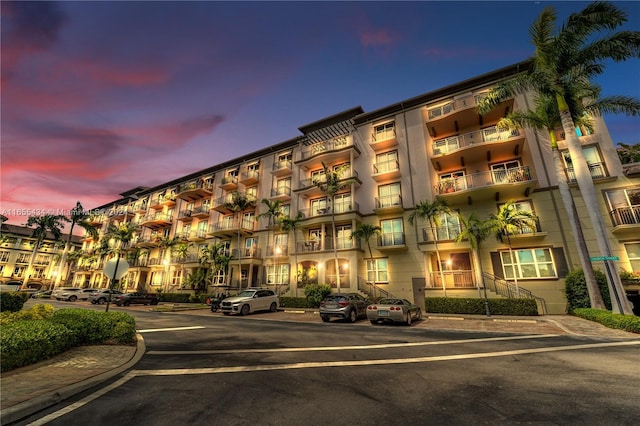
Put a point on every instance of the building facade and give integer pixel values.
(389, 160)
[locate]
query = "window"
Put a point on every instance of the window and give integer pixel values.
(384, 131)
(156, 278)
(285, 209)
(377, 271)
(343, 236)
(4, 256)
(633, 253)
(23, 258)
(528, 263)
(594, 162)
(278, 274)
(285, 157)
(624, 206)
(342, 203)
(503, 172)
(452, 182)
(253, 168)
(283, 186)
(318, 176)
(281, 244)
(449, 227)
(186, 230)
(319, 206)
(386, 162)
(392, 232)
(250, 247)
(248, 220)
(252, 193)
(18, 272)
(176, 278)
(389, 195)
(526, 206)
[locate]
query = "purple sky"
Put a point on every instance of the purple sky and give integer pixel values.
(100, 97)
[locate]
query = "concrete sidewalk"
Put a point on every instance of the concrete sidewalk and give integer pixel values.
(27, 390)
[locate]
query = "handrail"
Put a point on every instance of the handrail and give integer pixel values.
(506, 289)
(367, 287)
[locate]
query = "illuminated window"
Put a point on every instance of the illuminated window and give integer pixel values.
(528, 263)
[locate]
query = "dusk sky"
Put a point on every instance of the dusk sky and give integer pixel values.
(101, 97)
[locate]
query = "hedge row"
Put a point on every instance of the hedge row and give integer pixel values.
(629, 323)
(29, 337)
(475, 306)
(13, 301)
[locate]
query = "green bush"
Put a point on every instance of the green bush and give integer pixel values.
(575, 288)
(295, 302)
(39, 311)
(475, 306)
(174, 297)
(27, 342)
(629, 323)
(94, 327)
(12, 301)
(315, 293)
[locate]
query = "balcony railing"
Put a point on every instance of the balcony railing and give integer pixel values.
(391, 239)
(453, 279)
(340, 207)
(328, 146)
(248, 225)
(454, 143)
(443, 233)
(251, 253)
(629, 215)
(454, 105)
(386, 166)
(281, 191)
(320, 179)
(387, 133)
(597, 170)
(388, 201)
(483, 179)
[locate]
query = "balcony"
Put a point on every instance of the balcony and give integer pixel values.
(148, 241)
(277, 251)
(121, 213)
(597, 170)
(492, 143)
(386, 170)
(189, 258)
(392, 241)
(185, 215)
(250, 177)
(309, 187)
(157, 220)
(229, 183)
(282, 168)
(326, 244)
(626, 221)
(160, 201)
(195, 190)
(282, 193)
(461, 113)
(384, 139)
(388, 204)
(231, 228)
(498, 184)
(443, 233)
(141, 206)
(247, 253)
(325, 212)
(223, 204)
(201, 212)
(333, 151)
(198, 235)
(96, 219)
(452, 279)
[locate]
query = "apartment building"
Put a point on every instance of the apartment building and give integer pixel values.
(388, 160)
(16, 248)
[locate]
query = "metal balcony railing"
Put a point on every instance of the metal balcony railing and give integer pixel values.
(454, 143)
(597, 170)
(629, 215)
(483, 179)
(386, 166)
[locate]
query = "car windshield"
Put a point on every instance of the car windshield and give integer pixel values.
(246, 293)
(335, 298)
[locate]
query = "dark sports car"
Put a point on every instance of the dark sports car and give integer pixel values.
(394, 310)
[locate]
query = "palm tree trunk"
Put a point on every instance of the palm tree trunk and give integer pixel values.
(484, 287)
(375, 269)
(335, 245)
(435, 241)
(619, 302)
(239, 256)
(295, 248)
(64, 256)
(32, 259)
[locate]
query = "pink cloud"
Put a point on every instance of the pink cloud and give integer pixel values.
(376, 38)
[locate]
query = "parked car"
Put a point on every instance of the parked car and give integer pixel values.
(394, 310)
(101, 296)
(30, 291)
(73, 294)
(349, 306)
(57, 292)
(127, 299)
(43, 294)
(11, 285)
(250, 300)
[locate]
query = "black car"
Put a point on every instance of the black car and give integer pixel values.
(127, 299)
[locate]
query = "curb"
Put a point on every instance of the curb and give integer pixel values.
(27, 408)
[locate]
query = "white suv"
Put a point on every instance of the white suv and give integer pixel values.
(72, 293)
(250, 300)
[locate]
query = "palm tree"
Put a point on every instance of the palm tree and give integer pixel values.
(273, 213)
(508, 221)
(215, 257)
(364, 231)
(431, 212)
(546, 116)
(564, 63)
(45, 224)
(238, 204)
(476, 231)
(290, 224)
(80, 217)
(180, 252)
(331, 183)
(122, 235)
(168, 244)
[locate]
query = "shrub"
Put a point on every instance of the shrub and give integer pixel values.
(629, 323)
(475, 306)
(13, 301)
(295, 302)
(39, 311)
(27, 342)
(575, 288)
(315, 293)
(174, 297)
(93, 327)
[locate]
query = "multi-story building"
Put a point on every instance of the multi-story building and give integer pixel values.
(16, 248)
(391, 159)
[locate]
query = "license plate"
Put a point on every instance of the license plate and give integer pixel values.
(383, 313)
(331, 305)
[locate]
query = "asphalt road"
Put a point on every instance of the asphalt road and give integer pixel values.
(209, 369)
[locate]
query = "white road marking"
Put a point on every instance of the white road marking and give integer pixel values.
(153, 330)
(344, 348)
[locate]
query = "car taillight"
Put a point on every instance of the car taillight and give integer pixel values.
(321, 303)
(344, 303)
(395, 308)
(372, 308)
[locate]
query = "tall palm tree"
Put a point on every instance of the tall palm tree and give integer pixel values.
(273, 213)
(331, 183)
(238, 204)
(78, 216)
(476, 231)
(121, 235)
(180, 252)
(508, 221)
(168, 244)
(564, 63)
(546, 116)
(45, 224)
(365, 231)
(432, 212)
(291, 224)
(215, 257)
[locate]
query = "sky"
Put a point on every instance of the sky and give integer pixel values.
(100, 97)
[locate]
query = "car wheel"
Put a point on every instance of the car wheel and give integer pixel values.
(73, 299)
(273, 307)
(102, 301)
(127, 303)
(154, 302)
(408, 321)
(214, 308)
(353, 316)
(419, 315)
(244, 310)
(325, 318)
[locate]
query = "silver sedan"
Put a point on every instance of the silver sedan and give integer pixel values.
(394, 310)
